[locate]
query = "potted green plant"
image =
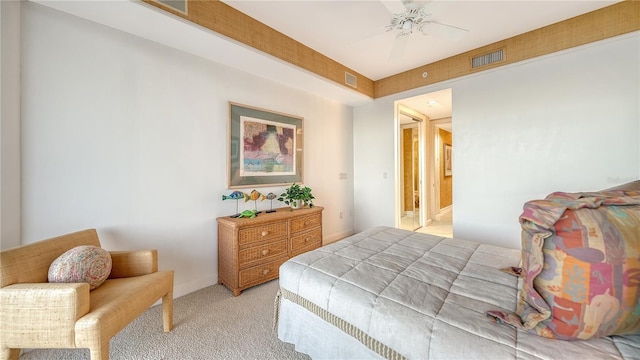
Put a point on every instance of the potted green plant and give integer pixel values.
(297, 196)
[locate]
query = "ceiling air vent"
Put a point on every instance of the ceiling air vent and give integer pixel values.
(486, 59)
(350, 80)
(177, 5)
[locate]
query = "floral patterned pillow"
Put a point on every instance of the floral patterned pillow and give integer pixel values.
(89, 264)
(580, 266)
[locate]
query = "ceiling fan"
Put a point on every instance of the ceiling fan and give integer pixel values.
(409, 16)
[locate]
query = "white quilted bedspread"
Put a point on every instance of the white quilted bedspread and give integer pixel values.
(426, 297)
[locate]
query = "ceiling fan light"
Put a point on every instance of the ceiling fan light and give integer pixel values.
(407, 25)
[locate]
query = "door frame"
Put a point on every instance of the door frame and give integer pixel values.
(425, 154)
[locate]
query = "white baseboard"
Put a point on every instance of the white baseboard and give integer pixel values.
(446, 209)
(194, 285)
(443, 211)
(335, 237)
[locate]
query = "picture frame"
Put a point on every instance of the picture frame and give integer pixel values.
(265, 147)
(447, 160)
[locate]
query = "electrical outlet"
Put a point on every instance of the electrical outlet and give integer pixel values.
(340, 214)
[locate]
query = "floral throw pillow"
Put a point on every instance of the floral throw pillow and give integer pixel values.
(88, 264)
(580, 266)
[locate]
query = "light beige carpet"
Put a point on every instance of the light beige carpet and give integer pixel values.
(208, 324)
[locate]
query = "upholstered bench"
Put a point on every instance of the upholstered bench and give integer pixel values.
(35, 313)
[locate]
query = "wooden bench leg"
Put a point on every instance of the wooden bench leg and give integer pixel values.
(167, 311)
(9, 354)
(101, 353)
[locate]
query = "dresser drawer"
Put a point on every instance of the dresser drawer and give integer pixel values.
(306, 222)
(255, 254)
(305, 242)
(262, 233)
(261, 273)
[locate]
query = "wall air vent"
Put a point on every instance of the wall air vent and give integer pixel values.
(486, 59)
(350, 80)
(177, 5)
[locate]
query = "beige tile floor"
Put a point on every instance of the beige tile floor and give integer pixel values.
(442, 226)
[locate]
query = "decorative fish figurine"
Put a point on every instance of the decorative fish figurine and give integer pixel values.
(236, 195)
(254, 195)
(271, 196)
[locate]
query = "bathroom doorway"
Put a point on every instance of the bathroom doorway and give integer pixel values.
(410, 182)
(433, 197)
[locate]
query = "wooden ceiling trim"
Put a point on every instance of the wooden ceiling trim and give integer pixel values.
(614, 20)
(225, 20)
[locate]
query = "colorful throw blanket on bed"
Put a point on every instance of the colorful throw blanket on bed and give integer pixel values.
(581, 266)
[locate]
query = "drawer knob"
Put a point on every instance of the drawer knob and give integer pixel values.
(307, 239)
(265, 233)
(307, 223)
(265, 271)
(265, 252)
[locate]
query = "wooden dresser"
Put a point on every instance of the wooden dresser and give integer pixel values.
(250, 251)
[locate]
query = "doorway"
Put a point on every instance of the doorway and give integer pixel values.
(432, 211)
(410, 169)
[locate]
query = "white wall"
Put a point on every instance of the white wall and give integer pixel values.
(569, 121)
(10, 125)
(374, 156)
(129, 137)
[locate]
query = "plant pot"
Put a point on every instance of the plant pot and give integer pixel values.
(299, 205)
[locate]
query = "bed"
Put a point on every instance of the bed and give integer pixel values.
(396, 294)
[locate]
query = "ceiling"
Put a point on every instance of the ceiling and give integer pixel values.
(353, 32)
(350, 32)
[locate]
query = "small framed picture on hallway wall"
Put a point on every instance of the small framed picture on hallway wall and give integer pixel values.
(448, 171)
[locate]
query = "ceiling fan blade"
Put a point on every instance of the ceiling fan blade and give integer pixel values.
(436, 7)
(394, 6)
(450, 26)
(450, 32)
